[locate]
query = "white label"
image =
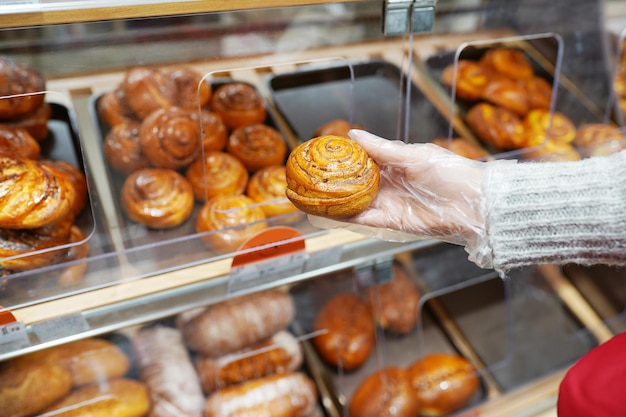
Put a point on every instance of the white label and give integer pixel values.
(263, 272)
(13, 336)
(323, 258)
(19, 6)
(60, 327)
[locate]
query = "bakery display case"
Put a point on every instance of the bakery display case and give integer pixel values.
(111, 299)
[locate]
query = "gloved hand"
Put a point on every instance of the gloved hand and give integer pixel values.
(426, 192)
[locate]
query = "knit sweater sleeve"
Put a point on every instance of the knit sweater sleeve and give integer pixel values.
(560, 212)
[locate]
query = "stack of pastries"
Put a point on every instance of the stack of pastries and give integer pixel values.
(510, 104)
(184, 147)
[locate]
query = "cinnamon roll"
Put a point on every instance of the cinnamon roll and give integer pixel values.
(267, 187)
(35, 123)
(18, 142)
(331, 176)
(552, 151)
(170, 138)
(599, 139)
(22, 89)
(212, 130)
(461, 147)
(496, 126)
(147, 90)
(509, 62)
(471, 79)
(122, 148)
(192, 92)
(158, 198)
(239, 104)
(216, 173)
(507, 94)
(232, 219)
(539, 92)
(257, 146)
(76, 178)
(541, 126)
(113, 108)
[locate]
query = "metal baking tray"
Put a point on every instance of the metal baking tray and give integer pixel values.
(518, 326)
(390, 350)
(374, 98)
(174, 247)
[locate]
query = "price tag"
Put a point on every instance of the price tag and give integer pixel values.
(13, 336)
(58, 327)
(275, 253)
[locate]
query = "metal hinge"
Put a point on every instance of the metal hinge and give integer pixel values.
(408, 16)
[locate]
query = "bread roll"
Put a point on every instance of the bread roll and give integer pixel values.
(282, 395)
(122, 148)
(508, 62)
(385, 393)
(17, 141)
(212, 130)
(165, 366)
(461, 147)
(113, 109)
(35, 123)
(331, 176)
(337, 127)
(267, 187)
(23, 84)
(237, 323)
(239, 104)
(599, 139)
(76, 178)
(539, 92)
(147, 90)
(540, 126)
(216, 173)
(507, 94)
(470, 79)
(192, 92)
(497, 127)
(257, 146)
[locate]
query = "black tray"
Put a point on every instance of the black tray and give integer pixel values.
(309, 98)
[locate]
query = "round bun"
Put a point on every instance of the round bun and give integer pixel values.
(158, 198)
(147, 90)
(496, 126)
(347, 331)
(444, 383)
(192, 92)
(26, 86)
(507, 94)
(217, 173)
(268, 186)
(540, 126)
(170, 138)
(471, 79)
(19, 142)
(232, 219)
(113, 108)
(122, 148)
(539, 92)
(76, 178)
(239, 104)
(337, 127)
(257, 146)
(509, 62)
(386, 392)
(212, 130)
(331, 176)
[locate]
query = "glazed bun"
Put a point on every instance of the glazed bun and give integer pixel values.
(113, 108)
(331, 176)
(239, 104)
(147, 90)
(212, 130)
(23, 86)
(385, 393)
(216, 173)
(267, 187)
(19, 142)
(257, 146)
(122, 148)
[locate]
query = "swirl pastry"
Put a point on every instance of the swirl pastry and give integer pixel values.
(35, 123)
(331, 176)
(216, 173)
(257, 146)
(268, 186)
(471, 79)
(552, 151)
(212, 130)
(19, 142)
(170, 138)
(158, 198)
(147, 90)
(507, 94)
(232, 219)
(599, 139)
(337, 127)
(24, 84)
(539, 92)
(496, 126)
(461, 147)
(540, 126)
(385, 393)
(509, 62)
(32, 194)
(122, 148)
(192, 92)
(239, 104)
(77, 178)
(113, 108)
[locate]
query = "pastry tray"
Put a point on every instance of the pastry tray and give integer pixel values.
(373, 99)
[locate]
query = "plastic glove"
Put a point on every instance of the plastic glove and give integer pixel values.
(426, 192)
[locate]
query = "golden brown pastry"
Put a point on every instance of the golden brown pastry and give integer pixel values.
(444, 383)
(32, 194)
(158, 198)
(116, 398)
(496, 126)
(619, 82)
(267, 187)
(395, 304)
(599, 139)
(282, 395)
(212, 130)
(507, 94)
(552, 151)
(79, 249)
(509, 62)
(257, 146)
(28, 388)
(346, 331)
(540, 126)
(35, 123)
(24, 84)
(239, 104)
(471, 79)
(192, 92)
(216, 173)
(337, 127)
(238, 323)
(231, 219)
(539, 92)
(461, 147)
(18, 142)
(385, 393)
(331, 176)
(78, 180)
(279, 354)
(113, 108)
(170, 138)
(122, 148)
(147, 90)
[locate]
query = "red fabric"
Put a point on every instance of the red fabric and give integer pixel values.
(596, 385)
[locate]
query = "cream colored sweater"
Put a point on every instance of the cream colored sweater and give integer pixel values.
(562, 212)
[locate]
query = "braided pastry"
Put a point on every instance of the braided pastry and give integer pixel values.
(257, 146)
(239, 104)
(331, 176)
(23, 84)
